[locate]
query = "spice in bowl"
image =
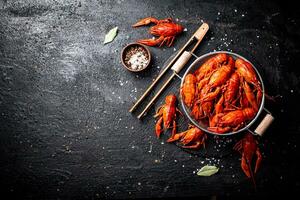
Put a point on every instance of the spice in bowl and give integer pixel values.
(135, 57)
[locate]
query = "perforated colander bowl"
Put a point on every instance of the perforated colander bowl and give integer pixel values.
(195, 65)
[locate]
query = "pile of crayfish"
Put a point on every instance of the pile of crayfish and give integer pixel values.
(223, 93)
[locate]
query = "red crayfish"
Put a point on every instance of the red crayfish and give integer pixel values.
(248, 147)
(165, 29)
(167, 115)
(193, 138)
(188, 90)
(233, 120)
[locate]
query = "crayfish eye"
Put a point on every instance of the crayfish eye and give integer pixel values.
(179, 28)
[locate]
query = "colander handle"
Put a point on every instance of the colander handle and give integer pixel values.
(264, 124)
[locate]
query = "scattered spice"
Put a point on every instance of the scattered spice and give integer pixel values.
(136, 58)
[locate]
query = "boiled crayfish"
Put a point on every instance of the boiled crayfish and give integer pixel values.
(227, 93)
(248, 147)
(188, 90)
(193, 138)
(231, 121)
(167, 115)
(165, 29)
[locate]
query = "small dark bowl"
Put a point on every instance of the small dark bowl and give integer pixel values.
(127, 48)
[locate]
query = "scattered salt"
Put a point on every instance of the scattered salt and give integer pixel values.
(150, 149)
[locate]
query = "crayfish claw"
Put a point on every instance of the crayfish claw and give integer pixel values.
(258, 161)
(195, 146)
(158, 128)
(246, 167)
(151, 42)
(145, 21)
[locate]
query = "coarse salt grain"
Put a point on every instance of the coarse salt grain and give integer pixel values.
(138, 61)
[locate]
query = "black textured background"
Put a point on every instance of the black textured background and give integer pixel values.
(65, 129)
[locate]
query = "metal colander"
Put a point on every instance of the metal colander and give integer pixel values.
(264, 123)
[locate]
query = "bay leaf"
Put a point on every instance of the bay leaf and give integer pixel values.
(110, 36)
(207, 170)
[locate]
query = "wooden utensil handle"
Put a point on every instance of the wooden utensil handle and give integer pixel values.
(264, 124)
(200, 33)
(182, 60)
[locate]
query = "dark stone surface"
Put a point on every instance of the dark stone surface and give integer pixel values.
(64, 97)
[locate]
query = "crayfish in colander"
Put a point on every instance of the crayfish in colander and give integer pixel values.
(223, 93)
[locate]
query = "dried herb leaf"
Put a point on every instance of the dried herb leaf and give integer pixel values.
(110, 36)
(207, 170)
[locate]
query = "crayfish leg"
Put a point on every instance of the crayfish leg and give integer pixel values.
(167, 20)
(171, 41)
(212, 95)
(219, 129)
(167, 40)
(238, 146)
